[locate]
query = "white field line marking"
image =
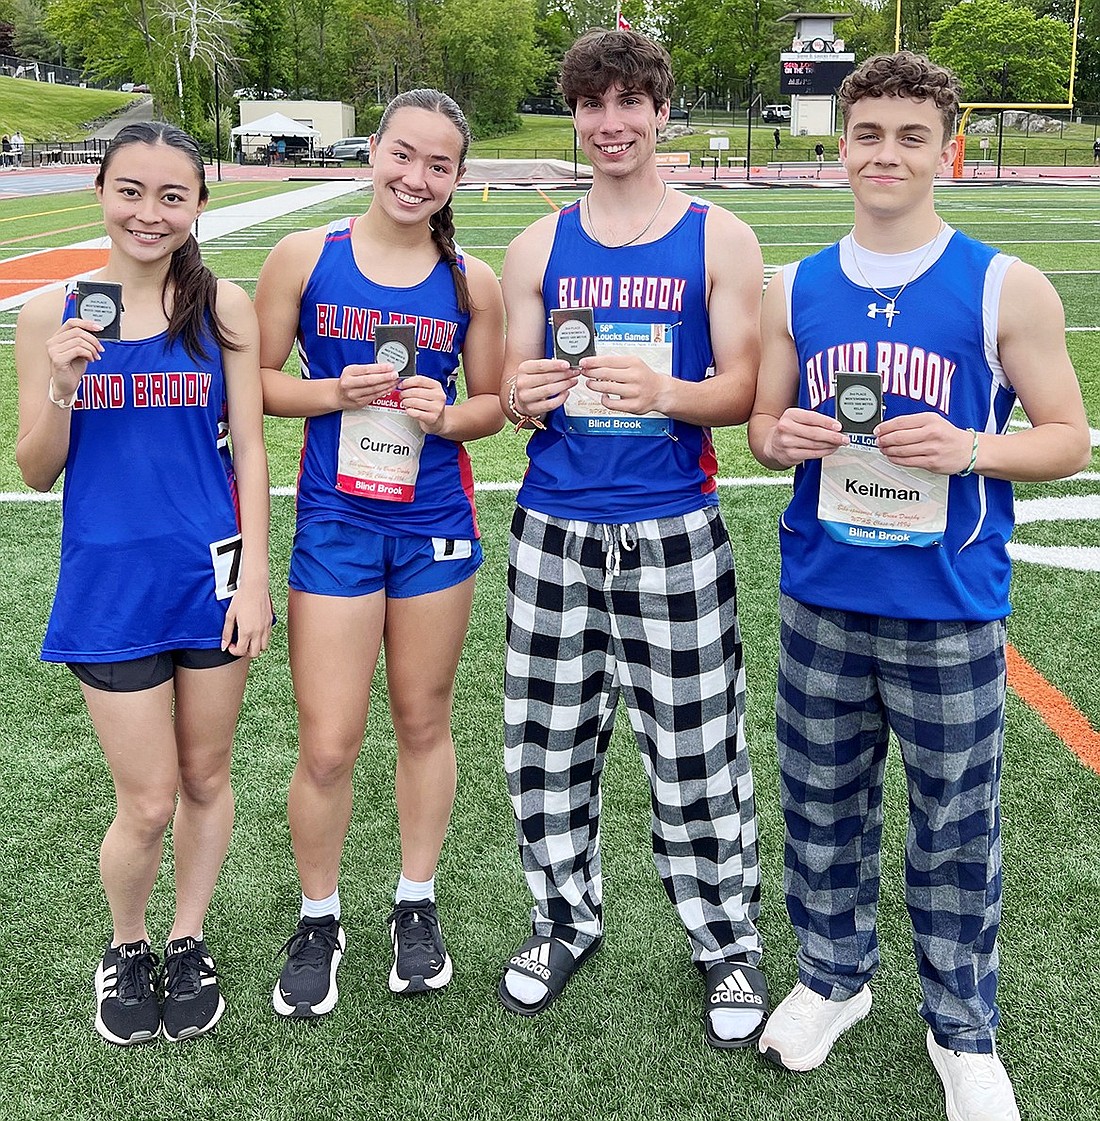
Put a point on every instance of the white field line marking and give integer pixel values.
(487, 487)
(1063, 508)
(288, 492)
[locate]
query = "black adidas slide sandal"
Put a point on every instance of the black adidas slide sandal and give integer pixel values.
(547, 960)
(734, 986)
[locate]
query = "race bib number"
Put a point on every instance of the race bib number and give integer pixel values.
(585, 412)
(226, 558)
(379, 453)
(867, 500)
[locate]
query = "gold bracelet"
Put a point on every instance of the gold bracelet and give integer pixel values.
(522, 419)
(62, 403)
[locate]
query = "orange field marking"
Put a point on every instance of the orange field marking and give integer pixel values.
(1055, 709)
(26, 273)
(553, 204)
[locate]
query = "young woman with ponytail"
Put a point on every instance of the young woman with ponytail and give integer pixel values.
(386, 544)
(162, 597)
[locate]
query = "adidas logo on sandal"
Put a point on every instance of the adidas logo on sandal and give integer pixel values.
(535, 961)
(735, 990)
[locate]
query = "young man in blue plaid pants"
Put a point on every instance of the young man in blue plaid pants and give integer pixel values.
(891, 365)
(621, 577)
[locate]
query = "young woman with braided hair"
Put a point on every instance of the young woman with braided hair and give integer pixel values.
(386, 543)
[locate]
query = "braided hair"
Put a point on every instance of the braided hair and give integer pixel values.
(442, 224)
(194, 287)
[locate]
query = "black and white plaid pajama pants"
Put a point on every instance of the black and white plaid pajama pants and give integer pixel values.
(648, 611)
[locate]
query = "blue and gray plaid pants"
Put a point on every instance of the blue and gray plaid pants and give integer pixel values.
(845, 681)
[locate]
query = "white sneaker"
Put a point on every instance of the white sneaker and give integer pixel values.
(976, 1087)
(801, 1032)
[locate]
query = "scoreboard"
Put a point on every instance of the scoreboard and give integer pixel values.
(802, 75)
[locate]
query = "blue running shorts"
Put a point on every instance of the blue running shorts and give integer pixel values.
(334, 558)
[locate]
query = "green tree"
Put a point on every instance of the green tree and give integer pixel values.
(31, 38)
(264, 44)
(870, 30)
(490, 60)
(917, 20)
(173, 45)
(195, 37)
(396, 37)
(1004, 52)
(723, 47)
(112, 40)
(553, 37)
(1087, 87)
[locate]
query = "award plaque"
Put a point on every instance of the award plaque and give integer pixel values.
(858, 402)
(574, 331)
(585, 411)
(395, 343)
(101, 302)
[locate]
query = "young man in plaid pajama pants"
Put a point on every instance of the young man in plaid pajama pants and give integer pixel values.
(896, 621)
(621, 578)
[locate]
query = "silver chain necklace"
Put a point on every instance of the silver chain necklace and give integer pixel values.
(891, 308)
(637, 237)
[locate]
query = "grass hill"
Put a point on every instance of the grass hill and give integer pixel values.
(42, 111)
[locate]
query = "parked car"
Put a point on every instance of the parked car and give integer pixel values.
(546, 106)
(675, 114)
(776, 114)
(351, 148)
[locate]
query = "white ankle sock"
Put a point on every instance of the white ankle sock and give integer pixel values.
(320, 908)
(526, 989)
(734, 1025)
(410, 890)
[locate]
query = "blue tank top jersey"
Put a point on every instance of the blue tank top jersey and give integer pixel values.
(148, 491)
(620, 478)
(340, 309)
(933, 358)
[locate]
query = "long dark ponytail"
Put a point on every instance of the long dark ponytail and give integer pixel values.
(442, 223)
(194, 316)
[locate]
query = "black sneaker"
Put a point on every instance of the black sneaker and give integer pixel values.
(193, 1002)
(420, 960)
(126, 994)
(307, 984)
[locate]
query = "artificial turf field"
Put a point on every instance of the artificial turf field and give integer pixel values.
(625, 1040)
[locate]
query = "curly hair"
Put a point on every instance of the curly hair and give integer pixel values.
(600, 59)
(903, 74)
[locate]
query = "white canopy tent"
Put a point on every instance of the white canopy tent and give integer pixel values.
(272, 127)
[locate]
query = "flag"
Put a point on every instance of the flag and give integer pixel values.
(624, 23)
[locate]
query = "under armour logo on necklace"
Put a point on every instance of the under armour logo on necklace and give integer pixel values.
(874, 311)
(891, 308)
